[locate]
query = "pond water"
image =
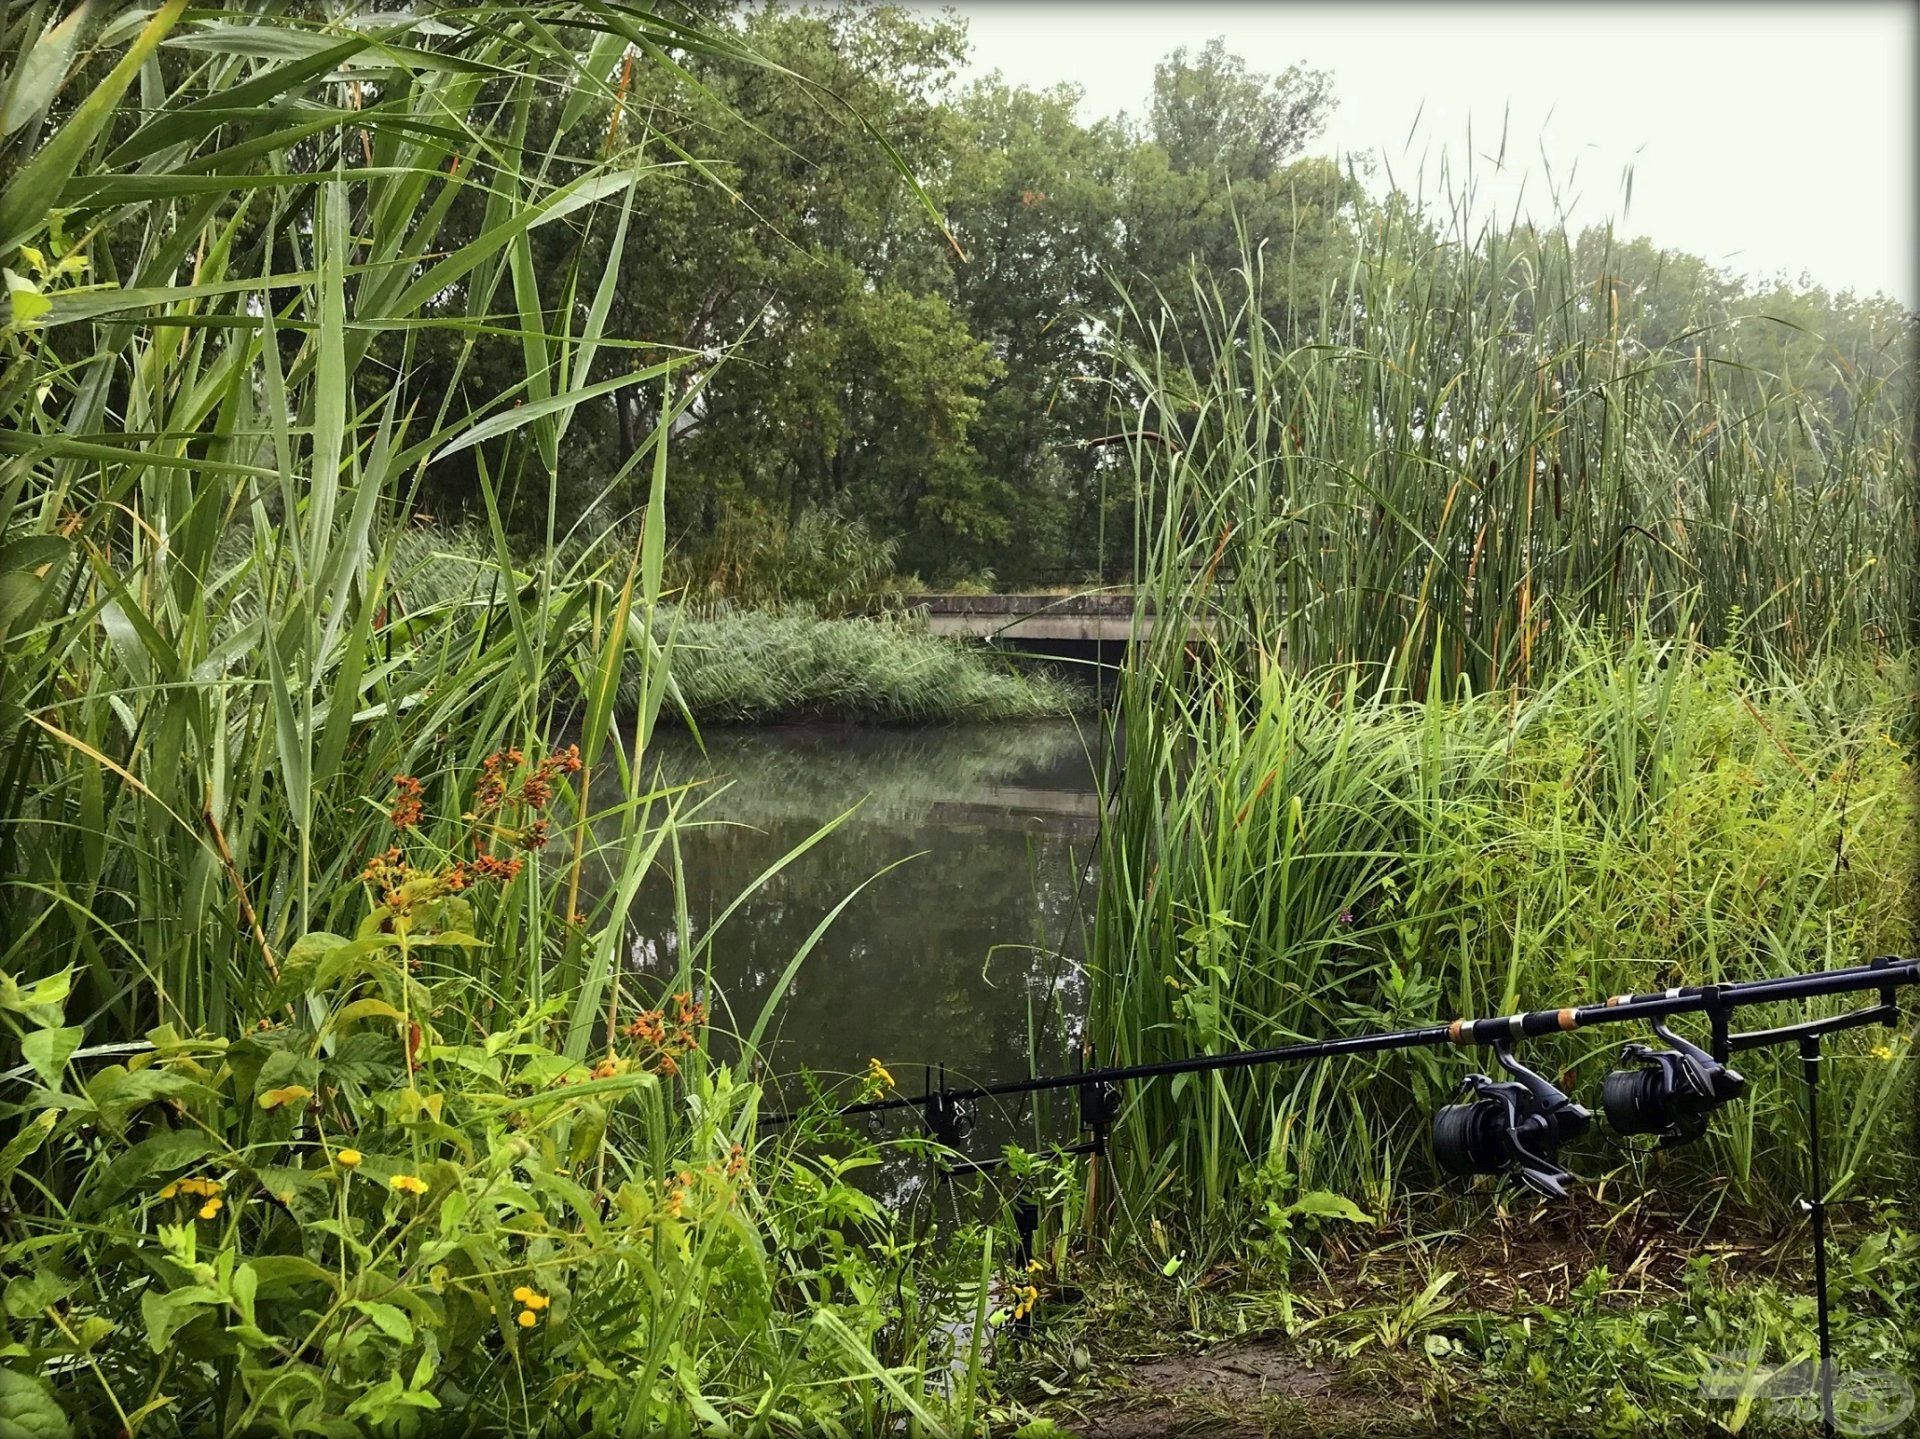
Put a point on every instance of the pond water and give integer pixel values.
(974, 845)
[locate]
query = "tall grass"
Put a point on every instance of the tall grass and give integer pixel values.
(745, 665)
(227, 239)
(1500, 662)
(1309, 859)
(1476, 454)
(192, 725)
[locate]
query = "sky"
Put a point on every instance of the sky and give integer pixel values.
(1767, 138)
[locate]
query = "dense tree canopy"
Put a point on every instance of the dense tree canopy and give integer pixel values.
(946, 380)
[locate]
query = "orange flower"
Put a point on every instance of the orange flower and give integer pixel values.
(385, 871)
(649, 1027)
(492, 868)
(407, 794)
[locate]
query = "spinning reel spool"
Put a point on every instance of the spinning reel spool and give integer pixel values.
(1513, 1126)
(1671, 1092)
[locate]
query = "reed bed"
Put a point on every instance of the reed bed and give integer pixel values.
(1500, 661)
(1477, 453)
(745, 665)
(331, 1102)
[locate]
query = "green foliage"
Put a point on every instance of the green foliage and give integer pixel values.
(1294, 857)
(235, 663)
(1727, 1351)
(391, 1207)
(744, 665)
(831, 565)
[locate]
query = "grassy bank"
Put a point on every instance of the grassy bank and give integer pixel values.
(1539, 663)
(1319, 859)
(745, 665)
(738, 664)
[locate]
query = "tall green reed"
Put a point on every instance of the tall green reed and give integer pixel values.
(222, 642)
(1475, 451)
(1494, 659)
(213, 438)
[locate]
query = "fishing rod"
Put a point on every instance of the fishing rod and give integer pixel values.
(1517, 1126)
(1717, 1001)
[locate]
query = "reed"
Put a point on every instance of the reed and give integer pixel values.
(224, 640)
(1497, 659)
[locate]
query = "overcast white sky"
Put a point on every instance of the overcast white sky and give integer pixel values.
(1764, 137)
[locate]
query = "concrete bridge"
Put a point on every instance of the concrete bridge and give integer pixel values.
(1099, 618)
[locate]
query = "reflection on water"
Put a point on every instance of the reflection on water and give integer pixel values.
(954, 956)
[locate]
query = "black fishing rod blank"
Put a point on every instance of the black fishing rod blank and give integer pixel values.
(1716, 1001)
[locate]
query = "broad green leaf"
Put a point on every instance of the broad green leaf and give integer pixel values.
(48, 1051)
(152, 1158)
(300, 964)
(1323, 1204)
(285, 1070)
(365, 1009)
(165, 1312)
(40, 1001)
(280, 1275)
(390, 1321)
(25, 302)
(30, 1137)
(28, 1409)
(28, 1294)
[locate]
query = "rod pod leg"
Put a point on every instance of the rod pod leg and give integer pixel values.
(1815, 1204)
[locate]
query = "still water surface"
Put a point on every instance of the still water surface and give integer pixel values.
(955, 955)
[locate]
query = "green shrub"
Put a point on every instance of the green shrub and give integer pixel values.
(746, 665)
(396, 1205)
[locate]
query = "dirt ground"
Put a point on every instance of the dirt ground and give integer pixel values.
(1269, 1388)
(1253, 1390)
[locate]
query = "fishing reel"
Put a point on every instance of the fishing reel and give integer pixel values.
(1671, 1092)
(1514, 1126)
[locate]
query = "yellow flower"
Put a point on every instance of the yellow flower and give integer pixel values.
(1881, 1051)
(537, 1301)
(879, 1079)
(210, 1208)
(528, 1319)
(522, 1294)
(287, 1094)
(408, 1184)
(171, 1190)
(347, 1158)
